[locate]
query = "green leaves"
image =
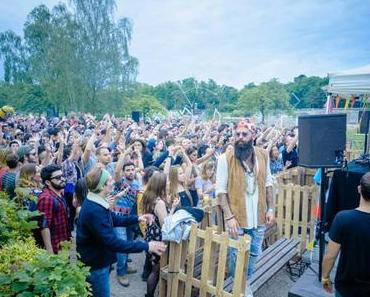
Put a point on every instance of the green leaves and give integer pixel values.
(42, 274)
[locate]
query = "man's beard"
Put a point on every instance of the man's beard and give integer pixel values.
(243, 150)
(58, 186)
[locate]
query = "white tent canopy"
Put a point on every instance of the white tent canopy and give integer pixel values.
(350, 82)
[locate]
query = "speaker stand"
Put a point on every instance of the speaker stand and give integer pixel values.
(366, 143)
(321, 223)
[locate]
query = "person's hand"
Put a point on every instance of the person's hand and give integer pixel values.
(175, 203)
(233, 227)
(147, 218)
(210, 151)
(270, 217)
(157, 247)
(327, 285)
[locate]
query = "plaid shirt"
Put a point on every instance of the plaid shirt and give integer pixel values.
(55, 217)
(125, 203)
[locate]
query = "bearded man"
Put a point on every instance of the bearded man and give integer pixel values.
(53, 207)
(244, 188)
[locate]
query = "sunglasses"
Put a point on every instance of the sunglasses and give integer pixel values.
(58, 177)
(244, 134)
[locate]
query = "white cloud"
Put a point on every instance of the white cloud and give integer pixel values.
(239, 41)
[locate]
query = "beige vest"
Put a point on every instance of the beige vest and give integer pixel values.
(237, 186)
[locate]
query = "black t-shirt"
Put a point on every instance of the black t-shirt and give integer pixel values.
(351, 229)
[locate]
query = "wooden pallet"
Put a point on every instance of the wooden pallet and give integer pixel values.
(178, 278)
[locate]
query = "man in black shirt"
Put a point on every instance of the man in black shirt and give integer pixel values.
(350, 235)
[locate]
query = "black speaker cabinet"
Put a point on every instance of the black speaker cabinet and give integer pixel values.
(136, 116)
(322, 140)
(363, 118)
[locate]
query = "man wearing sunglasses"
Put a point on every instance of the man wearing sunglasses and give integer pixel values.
(244, 187)
(52, 205)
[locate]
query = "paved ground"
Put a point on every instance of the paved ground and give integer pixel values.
(276, 287)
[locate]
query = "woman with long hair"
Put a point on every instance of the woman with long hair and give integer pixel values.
(177, 186)
(155, 202)
(28, 186)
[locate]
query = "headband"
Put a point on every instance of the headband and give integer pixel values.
(102, 180)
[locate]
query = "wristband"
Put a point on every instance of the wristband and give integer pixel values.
(228, 219)
(270, 209)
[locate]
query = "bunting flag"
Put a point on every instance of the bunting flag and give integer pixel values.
(346, 104)
(337, 101)
(353, 101)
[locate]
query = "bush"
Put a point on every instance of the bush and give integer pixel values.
(15, 223)
(14, 254)
(45, 275)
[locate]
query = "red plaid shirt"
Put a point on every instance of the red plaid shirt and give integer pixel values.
(55, 217)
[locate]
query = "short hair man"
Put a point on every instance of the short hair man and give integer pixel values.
(51, 203)
(350, 235)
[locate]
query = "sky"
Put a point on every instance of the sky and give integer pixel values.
(235, 42)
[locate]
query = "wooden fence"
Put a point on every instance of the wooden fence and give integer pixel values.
(295, 212)
(190, 271)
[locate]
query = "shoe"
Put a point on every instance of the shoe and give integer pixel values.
(131, 270)
(123, 281)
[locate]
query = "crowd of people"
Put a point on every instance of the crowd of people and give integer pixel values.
(112, 182)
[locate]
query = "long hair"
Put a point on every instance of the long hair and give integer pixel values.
(207, 166)
(156, 188)
(26, 176)
(174, 181)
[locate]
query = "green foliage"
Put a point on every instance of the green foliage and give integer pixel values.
(15, 223)
(43, 275)
(14, 254)
(265, 98)
(77, 56)
(308, 90)
(146, 104)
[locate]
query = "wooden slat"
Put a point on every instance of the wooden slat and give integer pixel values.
(303, 243)
(241, 265)
(176, 269)
(288, 211)
(289, 244)
(222, 264)
(297, 202)
(206, 257)
(282, 259)
(276, 248)
(280, 209)
(190, 261)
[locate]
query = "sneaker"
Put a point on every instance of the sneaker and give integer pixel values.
(123, 281)
(131, 270)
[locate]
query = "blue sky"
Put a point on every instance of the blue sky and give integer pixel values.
(237, 41)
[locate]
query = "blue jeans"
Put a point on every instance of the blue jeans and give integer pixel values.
(122, 233)
(257, 235)
(99, 280)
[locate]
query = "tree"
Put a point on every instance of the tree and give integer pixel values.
(266, 98)
(146, 104)
(308, 90)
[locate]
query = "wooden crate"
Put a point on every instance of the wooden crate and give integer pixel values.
(297, 175)
(295, 212)
(178, 277)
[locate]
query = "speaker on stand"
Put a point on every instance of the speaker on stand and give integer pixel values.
(322, 142)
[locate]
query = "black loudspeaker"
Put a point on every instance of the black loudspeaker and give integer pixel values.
(363, 118)
(322, 140)
(136, 115)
